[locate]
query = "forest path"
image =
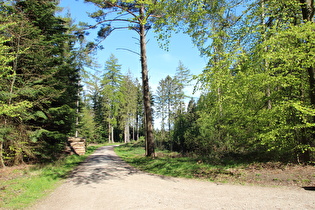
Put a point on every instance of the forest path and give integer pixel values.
(104, 181)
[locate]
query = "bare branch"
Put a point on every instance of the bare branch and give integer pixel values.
(129, 51)
(136, 39)
(111, 20)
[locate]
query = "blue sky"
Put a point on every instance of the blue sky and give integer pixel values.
(160, 62)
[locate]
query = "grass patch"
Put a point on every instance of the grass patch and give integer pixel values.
(23, 186)
(172, 164)
(228, 170)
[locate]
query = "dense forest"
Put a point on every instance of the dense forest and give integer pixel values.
(257, 96)
(38, 81)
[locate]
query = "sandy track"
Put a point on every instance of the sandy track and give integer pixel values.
(104, 181)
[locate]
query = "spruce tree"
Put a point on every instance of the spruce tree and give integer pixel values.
(44, 77)
(111, 95)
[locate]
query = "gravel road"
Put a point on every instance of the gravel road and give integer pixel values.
(104, 181)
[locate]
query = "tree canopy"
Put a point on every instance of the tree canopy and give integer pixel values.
(257, 91)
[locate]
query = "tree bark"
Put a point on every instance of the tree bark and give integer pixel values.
(311, 74)
(126, 132)
(2, 165)
(112, 132)
(133, 132)
(137, 128)
(109, 133)
(146, 88)
(308, 10)
(306, 155)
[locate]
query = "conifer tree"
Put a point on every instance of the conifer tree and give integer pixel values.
(128, 105)
(43, 77)
(136, 16)
(6, 109)
(111, 95)
(182, 79)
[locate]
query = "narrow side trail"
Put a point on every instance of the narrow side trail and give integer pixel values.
(104, 181)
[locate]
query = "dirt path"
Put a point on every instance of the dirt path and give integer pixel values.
(104, 181)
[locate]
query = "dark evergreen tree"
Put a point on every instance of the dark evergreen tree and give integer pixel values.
(44, 76)
(111, 95)
(186, 130)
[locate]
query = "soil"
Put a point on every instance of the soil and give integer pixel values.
(104, 181)
(266, 174)
(277, 174)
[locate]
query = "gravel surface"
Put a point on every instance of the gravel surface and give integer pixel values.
(104, 181)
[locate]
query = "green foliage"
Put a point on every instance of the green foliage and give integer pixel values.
(292, 49)
(186, 130)
(38, 81)
(170, 104)
(258, 87)
(128, 104)
(114, 104)
(111, 95)
(88, 126)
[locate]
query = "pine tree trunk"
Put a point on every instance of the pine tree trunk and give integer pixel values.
(2, 165)
(112, 132)
(109, 133)
(77, 117)
(137, 129)
(266, 64)
(220, 101)
(126, 133)
(133, 132)
(306, 155)
(269, 104)
(146, 88)
(137, 126)
(169, 124)
(311, 73)
(308, 10)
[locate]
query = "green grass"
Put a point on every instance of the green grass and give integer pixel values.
(33, 183)
(172, 164)
(224, 170)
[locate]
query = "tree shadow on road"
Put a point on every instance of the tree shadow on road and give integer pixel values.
(312, 188)
(99, 167)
